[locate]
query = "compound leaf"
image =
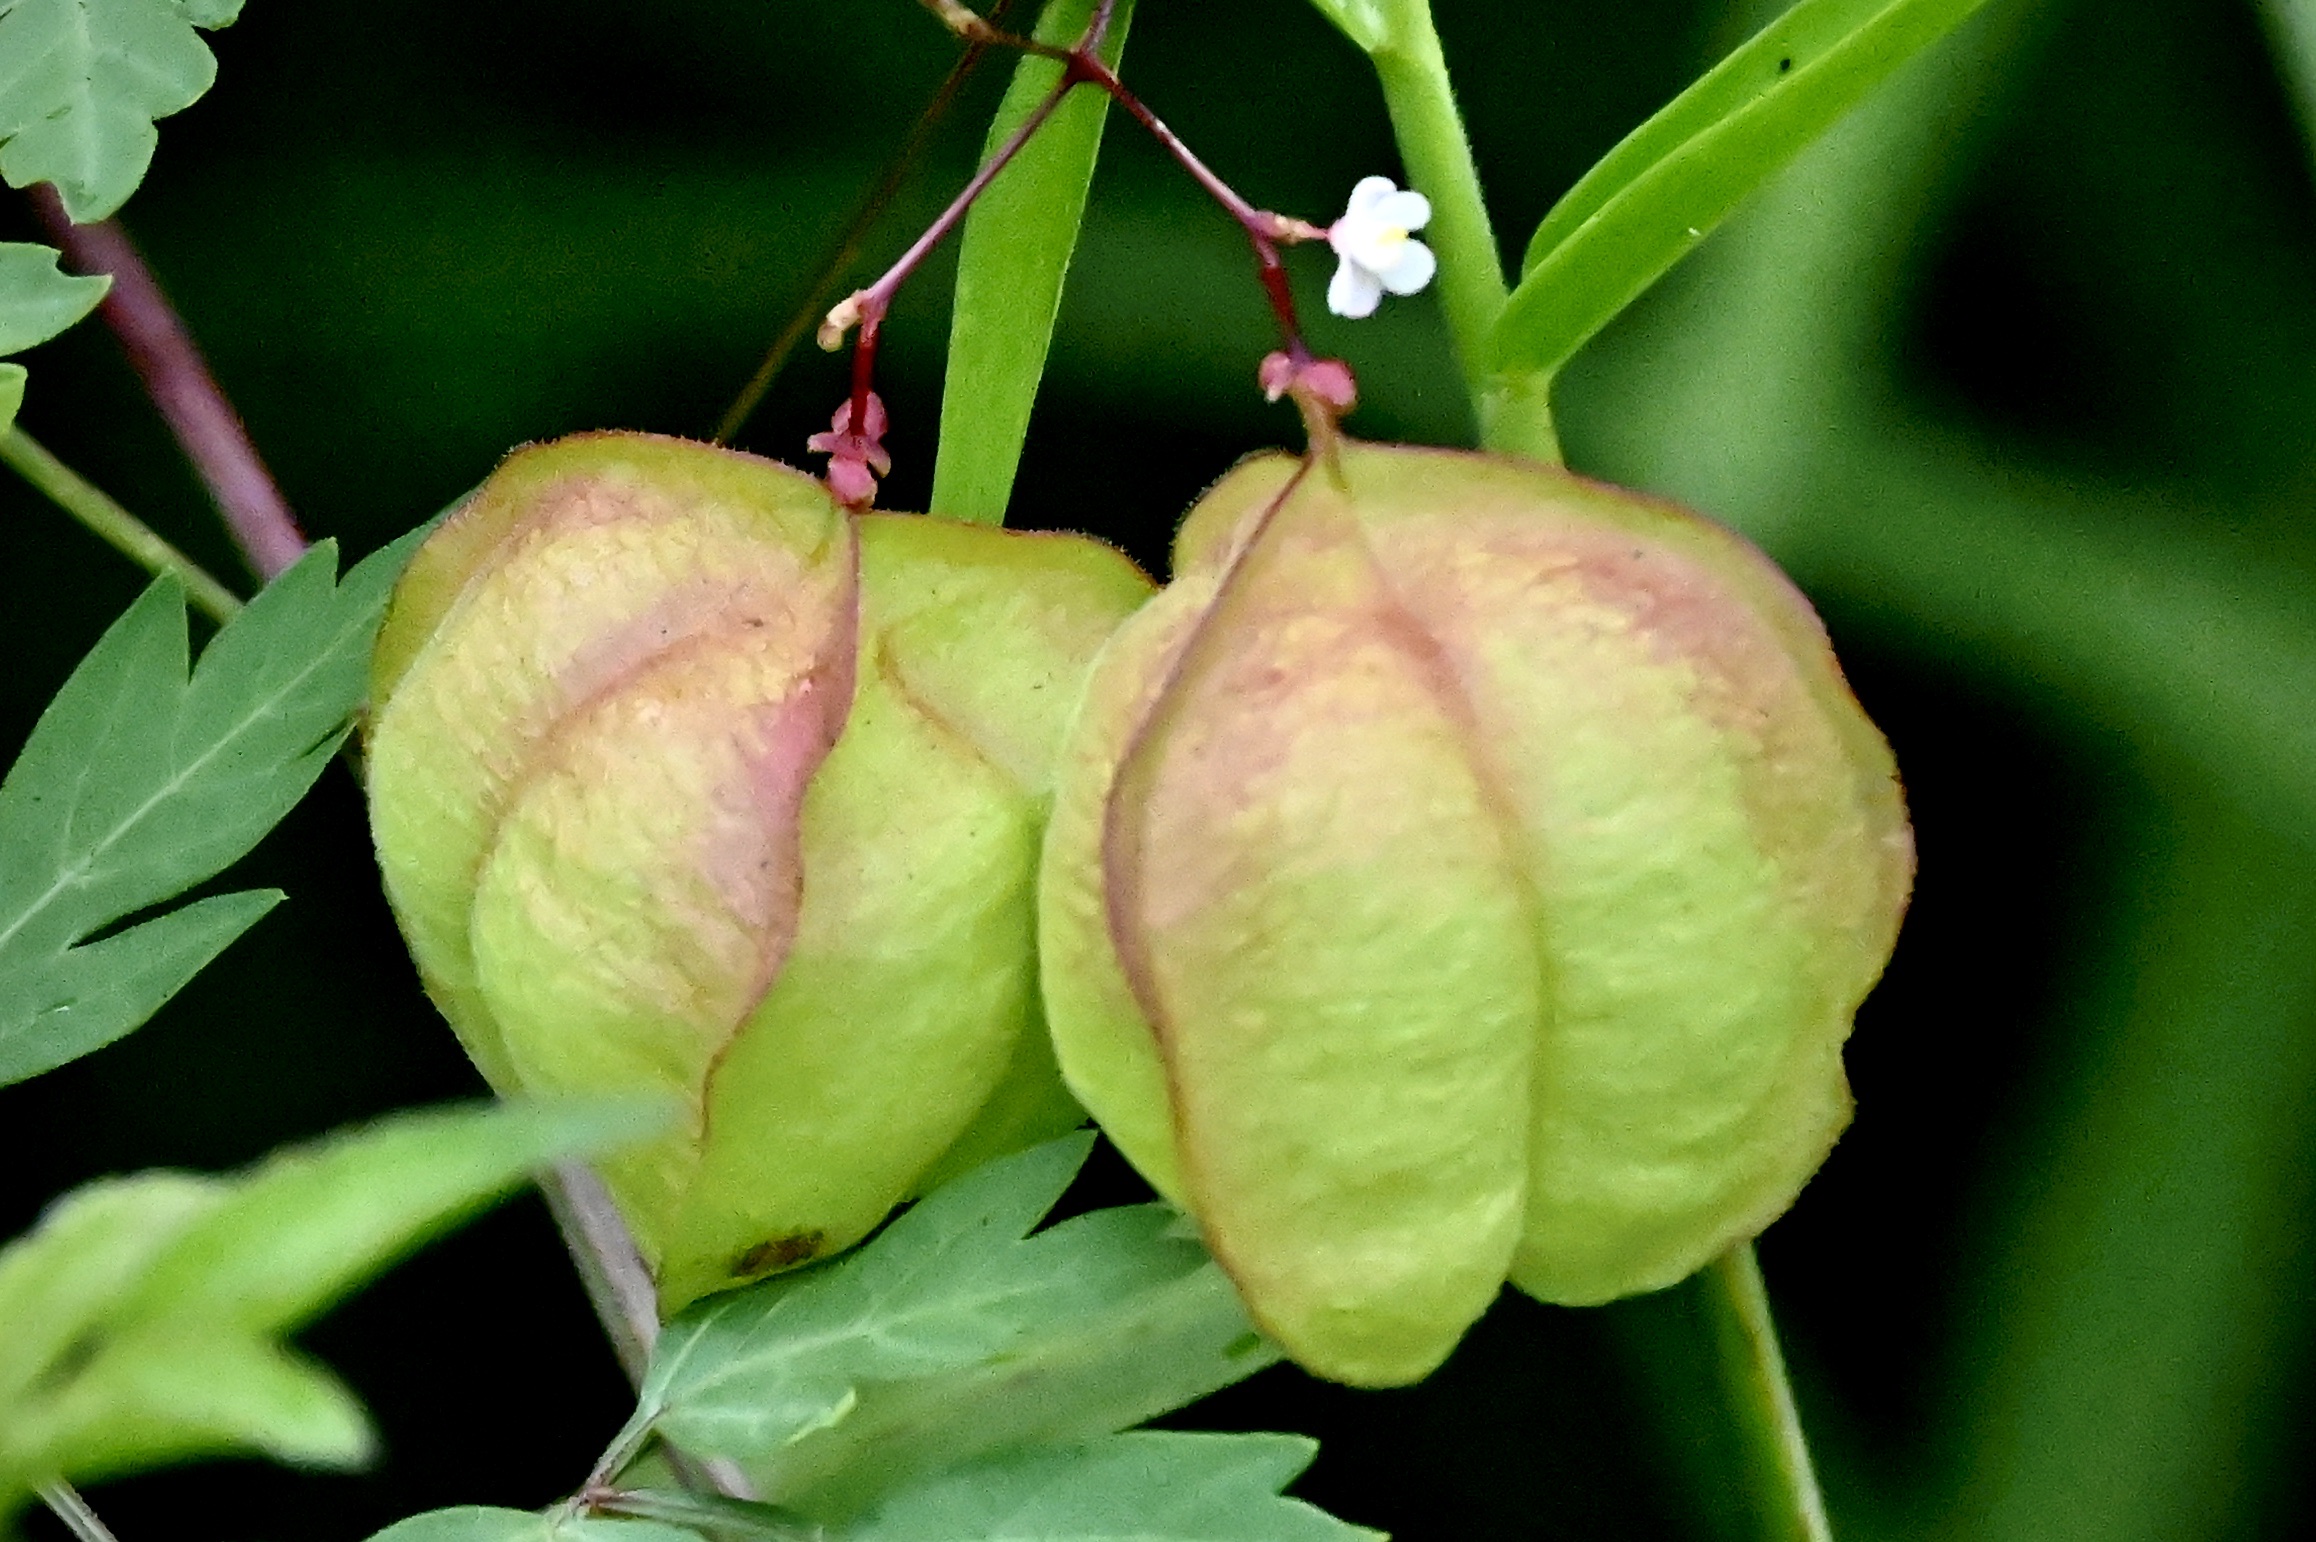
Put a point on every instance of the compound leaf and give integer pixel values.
(81, 82)
(1147, 1486)
(1150, 1352)
(38, 299)
(1656, 195)
(953, 1332)
(139, 782)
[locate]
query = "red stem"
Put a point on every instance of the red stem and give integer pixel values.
(166, 358)
(875, 300)
(1264, 229)
(1080, 65)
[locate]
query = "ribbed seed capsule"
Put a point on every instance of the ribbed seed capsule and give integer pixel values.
(1464, 872)
(683, 779)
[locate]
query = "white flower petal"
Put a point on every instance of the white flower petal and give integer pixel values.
(1366, 195)
(1353, 291)
(1372, 249)
(1410, 270)
(1408, 211)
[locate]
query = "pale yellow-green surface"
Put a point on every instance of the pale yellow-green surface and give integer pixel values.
(1454, 807)
(685, 779)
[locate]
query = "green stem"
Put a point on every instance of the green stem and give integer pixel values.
(711, 1517)
(64, 1501)
(1761, 1400)
(1515, 413)
(1430, 130)
(128, 534)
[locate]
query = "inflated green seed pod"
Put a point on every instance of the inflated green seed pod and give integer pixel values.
(684, 779)
(1464, 872)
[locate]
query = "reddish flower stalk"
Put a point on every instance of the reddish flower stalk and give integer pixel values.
(167, 360)
(1324, 387)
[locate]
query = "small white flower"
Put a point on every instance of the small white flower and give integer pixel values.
(1376, 251)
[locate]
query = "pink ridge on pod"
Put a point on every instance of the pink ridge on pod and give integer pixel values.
(685, 779)
(1463, 872)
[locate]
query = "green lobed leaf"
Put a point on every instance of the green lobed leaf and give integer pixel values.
(81, 82)
(1677, 176)
(11, 394)
(1015, 255)
(143, 1314)
(483, 1523)
(138, 783)
(951, 1302)
(37, 299)
(1148, 1486)
(1152, 1351)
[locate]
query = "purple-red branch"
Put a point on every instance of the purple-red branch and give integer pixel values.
(1328, 391)
(166, 358)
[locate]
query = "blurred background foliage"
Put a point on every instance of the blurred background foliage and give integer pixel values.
(2016, 373)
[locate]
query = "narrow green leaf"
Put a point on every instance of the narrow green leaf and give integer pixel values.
(1677, 176)
(138, 783)
(81, 82)
(482, 1523)
(11, 394)
(1017, 246)
(37, 299)
(1149, 1486)
(306, 1226)
(951, 1288)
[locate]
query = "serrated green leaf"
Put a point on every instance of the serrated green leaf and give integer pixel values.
(1149, 1486)
(142, 1316)
(306, 1226)
(950, 1286)
(1015, 255)
(83, 998)
(37, 299)
(81, 82)
(210, 13)
(483, 1523)
(138, 783)
(11, 394)
(1153, 1351)
(1677, 176)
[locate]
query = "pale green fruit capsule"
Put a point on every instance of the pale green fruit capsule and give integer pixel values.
(684, 779)
(1464, 872)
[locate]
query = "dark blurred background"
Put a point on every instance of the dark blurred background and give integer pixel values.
(2017, 373)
